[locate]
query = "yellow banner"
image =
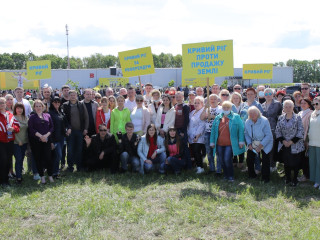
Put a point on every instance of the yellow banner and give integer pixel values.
(136, 62)
(196, 82)
(113, 82)
(257, 71)
(38, 69)
(11, 80)
(208, 59)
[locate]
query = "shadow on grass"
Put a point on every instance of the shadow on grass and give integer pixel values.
(303, 194)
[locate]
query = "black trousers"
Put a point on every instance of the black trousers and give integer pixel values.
(265, 169)
(42, 155)
(305, 164)
(197, 153)
(241, 158)
(110, 160)
(288, 170)
(6, 153)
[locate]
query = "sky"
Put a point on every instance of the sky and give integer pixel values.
(262, 31)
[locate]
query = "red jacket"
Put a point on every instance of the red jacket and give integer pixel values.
(4, 119)
(100, 119)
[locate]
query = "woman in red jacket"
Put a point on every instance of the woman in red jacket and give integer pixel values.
(8, 127)
(103, 114)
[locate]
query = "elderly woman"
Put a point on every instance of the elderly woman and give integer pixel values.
(305, 114)
(166, 116)
(272, 109)
(290, 133)
(209, 115)
(154, 105)
(259, 141)
(227, 138)
(196, 132)
(140, 116)
(314, 144)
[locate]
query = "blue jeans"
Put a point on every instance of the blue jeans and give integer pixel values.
(210, 156)
(58, 146)
(160, 159)
(174, 163)
(225, 154)
(125, 158)
(19, 153)
(74, 145)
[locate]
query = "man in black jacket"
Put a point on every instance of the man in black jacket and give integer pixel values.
(128, 145)
(101, 150)
(78, 122)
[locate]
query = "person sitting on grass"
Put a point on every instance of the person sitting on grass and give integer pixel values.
(128, 146)
(151, 150)
(175, 150)
(101, 150)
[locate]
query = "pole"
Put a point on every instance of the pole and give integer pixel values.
(208, 92)
(67, 33)
(140, 85)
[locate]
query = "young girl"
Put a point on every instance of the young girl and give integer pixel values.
(175, 152)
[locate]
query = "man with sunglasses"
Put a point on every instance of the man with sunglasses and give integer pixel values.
(305, 90)
(237, 88)
(101, 150)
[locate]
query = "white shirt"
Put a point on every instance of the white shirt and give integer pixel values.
(130, 105)
(213, 112)
(136, 119)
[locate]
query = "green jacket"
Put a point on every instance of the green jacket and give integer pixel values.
(236, 128)
(118, 120)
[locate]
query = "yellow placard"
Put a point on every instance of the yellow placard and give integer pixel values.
(113, 82)
(208, 59)
(11, 80)
(38, 69)
(136, 62)
(195, 82)
(257, 71)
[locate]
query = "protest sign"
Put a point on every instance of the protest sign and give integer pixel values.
(136, 62)
(207, 59)
(113, 82)
(257, 71)
(38, 69)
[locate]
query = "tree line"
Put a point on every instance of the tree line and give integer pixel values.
(98, 60)
(303, 71)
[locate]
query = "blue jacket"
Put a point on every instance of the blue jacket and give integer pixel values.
(259, 131)
(236, 128)
(143, 149)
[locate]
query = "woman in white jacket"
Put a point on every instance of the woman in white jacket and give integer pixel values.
(140, 116)
(166, 116)
(151, 150)
(196, 130)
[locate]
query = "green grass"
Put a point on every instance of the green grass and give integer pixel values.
(103, 206)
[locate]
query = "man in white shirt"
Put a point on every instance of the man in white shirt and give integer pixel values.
(147, 97)
(19, 93)
(130, 102)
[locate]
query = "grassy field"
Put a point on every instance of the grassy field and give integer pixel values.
(129, 206)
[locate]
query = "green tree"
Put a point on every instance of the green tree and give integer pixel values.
(56, 61)
(6, 61)
(224, 84)
(19, 60)
(177, 61)
(171, 83)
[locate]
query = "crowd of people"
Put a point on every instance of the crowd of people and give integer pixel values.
(145, 130)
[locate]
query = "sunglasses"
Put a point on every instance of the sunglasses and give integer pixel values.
(268, 94)
(237, 88)
(225, 95)
(139, 100)
(56, 102)
(304, 88)
(103, 130)
(173, 96)
(315, 104)
(97, 97)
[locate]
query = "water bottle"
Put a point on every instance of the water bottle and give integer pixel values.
(9, 133)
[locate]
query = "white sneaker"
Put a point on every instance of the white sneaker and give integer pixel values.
(199, 170)
(316, 185)
(36, 177)
(302, 178)
(257, 172)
